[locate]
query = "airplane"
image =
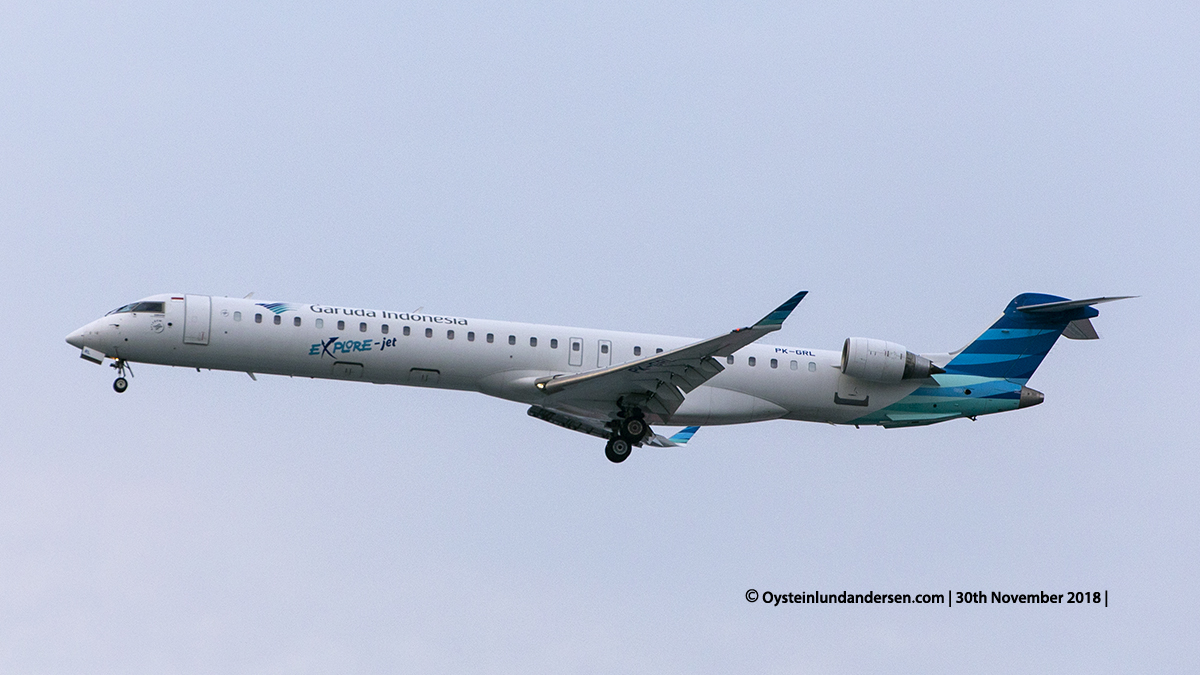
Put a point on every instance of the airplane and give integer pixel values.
(609, 384)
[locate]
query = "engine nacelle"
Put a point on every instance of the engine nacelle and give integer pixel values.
(881, 361)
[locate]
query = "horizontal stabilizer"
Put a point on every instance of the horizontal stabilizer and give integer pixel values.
(1081, 329)
(1067, 305)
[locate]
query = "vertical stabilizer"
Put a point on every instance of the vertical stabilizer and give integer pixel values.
(1015, 345)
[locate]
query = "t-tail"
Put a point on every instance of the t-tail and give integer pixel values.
(1016, 344)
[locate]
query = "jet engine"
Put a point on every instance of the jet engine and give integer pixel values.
(880, 361)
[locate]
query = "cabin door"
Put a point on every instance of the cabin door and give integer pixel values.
(197, 319)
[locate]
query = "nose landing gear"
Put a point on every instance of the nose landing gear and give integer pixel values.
(121, 384)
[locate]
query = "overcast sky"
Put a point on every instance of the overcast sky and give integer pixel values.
(662, 167)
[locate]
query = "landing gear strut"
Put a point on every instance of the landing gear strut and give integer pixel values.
(121, 384)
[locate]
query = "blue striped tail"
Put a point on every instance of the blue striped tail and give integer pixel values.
(1015, 345)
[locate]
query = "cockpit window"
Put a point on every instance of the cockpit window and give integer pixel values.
(150, 307)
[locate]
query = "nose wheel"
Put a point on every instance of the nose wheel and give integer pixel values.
(121, 384)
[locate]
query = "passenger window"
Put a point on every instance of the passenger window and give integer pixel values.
(428, 332)
(658, 351)
(795, 365)
(774, 363)
(341, 325)
(296, 321)
(532, 342)
(575, 346)
(512, 339)
(407, 330)
(491, 338)
(604, 349)
(362, 327)
(812, 367)
(470, 336)
(553, 343)
(320, 323)
(751, 361)
(237, 316)
(258, 318)
(729, 359)
(384, 329)
(278, 319)
(637, 351)
(449, 335)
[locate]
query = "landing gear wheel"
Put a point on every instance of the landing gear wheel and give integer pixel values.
(617, 450)
(633, 429)
(120, 385)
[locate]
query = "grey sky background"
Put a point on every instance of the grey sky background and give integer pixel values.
(663, 167)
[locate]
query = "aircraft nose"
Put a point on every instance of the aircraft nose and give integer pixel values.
(80, 337)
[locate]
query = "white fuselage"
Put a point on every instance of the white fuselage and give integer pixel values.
(497, 358)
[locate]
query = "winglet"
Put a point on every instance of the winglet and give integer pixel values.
(775, 319)
(684, 435)
(679, 440)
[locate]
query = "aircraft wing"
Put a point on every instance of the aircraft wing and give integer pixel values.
(657, 384)
(597, 428)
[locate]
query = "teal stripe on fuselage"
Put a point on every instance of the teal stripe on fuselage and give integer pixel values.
(987, 396)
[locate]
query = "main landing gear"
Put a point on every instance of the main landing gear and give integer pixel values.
(629, 431)
(121, 384)
(617, 450)
(634, 428)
